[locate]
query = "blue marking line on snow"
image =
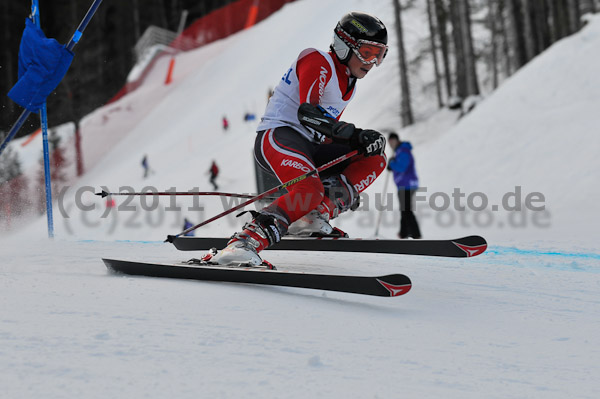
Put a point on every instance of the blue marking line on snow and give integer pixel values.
(122, 241)
(139, 241)
(545, 258)
(537, 252)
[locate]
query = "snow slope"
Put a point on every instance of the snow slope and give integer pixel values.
(521, 320)
(496, 326)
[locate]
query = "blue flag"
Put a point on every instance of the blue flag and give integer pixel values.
(43, 63)
(186, 225)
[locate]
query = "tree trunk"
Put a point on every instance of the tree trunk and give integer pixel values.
(441, 13)
(78, 152)
(505, 42)
(162, 14)
(137, 32)
(405, 102)
(436, 69)
(541, 17)
(561, 19)
(175, 13)
(575, 15)
(529, 32)
(9, 61)
(518, 32)
(493, 41)
(459, 51)
(467, 39)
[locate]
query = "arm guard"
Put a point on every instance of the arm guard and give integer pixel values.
(316, 118)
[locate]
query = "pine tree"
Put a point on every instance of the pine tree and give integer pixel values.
(13, 187)
(10, 165)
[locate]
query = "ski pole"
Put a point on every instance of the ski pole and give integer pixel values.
(321, 168)
(385, 185)
(182, 193)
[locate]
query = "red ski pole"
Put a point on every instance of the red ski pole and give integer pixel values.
(179, 193)
(321, 168)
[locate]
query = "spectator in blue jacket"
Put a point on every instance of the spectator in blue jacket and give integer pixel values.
(402, 164)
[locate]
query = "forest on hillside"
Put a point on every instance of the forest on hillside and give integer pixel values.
(516, 31)
(102, 61)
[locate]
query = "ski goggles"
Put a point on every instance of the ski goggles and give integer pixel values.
(370, 52)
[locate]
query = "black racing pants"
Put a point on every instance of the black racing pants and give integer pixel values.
(408, 222)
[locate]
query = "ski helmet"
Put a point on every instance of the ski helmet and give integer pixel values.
(362, 33)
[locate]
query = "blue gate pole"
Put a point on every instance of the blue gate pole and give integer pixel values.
(35, 13)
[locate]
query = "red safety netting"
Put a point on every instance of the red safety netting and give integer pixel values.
(216, 25)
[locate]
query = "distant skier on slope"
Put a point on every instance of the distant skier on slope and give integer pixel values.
(214, 173)
(145, 166)
(287, 149)
(225, 124)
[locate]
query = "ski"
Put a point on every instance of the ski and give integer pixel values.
(387, 286)
(458, 248)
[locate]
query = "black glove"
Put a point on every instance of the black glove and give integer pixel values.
(342, 132)
(369, 142)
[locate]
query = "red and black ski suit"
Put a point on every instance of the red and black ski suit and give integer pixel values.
(288, 150)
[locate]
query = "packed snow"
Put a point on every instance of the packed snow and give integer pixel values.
(521, 320)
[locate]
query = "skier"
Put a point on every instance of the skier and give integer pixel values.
(214, 172)
(225, 124)
(145, 166)
(402, 165)
(288, 149)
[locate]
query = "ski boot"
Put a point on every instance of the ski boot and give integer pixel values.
(340, 196)
(315, 224)
(243, 247)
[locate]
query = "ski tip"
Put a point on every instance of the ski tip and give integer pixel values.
(170, 238)
(471, 246)
(395, 284)
(481, 240)
(471, 251)
(109, 263)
